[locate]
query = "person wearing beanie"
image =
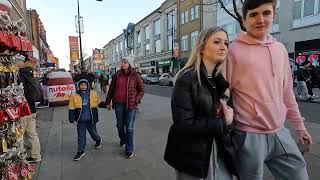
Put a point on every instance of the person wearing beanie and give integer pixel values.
(83, 111)
(125, 92)
(32, 93)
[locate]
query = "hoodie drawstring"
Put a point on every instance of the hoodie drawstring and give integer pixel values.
(271, 60)
(285, 152)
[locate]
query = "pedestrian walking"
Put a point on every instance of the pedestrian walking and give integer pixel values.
(303, 76)
(32, 93)
(315, 77)
(103, 82)
(125, 93)
(83, 111)
(194, 140)
(260, 80)
(309, 82)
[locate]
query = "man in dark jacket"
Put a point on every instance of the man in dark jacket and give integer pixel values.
(29, 122)
(126, 91)
(303, 76)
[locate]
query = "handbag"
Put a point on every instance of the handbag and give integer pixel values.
(225, 144)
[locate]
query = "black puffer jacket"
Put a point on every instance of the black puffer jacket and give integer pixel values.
(195, 121)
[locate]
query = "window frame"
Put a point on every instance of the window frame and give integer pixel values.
(194, 38)
(185, 43)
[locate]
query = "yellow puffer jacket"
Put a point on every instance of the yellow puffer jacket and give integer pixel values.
(75, 106)
(76, 100)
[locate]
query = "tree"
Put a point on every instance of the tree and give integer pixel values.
(222, 4)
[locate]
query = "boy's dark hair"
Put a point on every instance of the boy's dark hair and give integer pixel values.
(252, 4)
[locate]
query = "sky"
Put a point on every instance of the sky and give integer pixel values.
(102, 21)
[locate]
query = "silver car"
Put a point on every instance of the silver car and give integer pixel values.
(150, 78)
(166, 79)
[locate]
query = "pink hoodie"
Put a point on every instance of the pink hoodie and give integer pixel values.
(261, 85)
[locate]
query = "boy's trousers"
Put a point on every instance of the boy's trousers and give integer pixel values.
(277, 150)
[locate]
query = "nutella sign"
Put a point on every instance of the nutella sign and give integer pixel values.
(60, 92)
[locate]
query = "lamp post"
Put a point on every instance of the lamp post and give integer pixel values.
(80, 41)
(82, 65)
(172, 38)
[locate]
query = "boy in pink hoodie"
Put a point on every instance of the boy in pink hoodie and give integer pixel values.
(260, 80)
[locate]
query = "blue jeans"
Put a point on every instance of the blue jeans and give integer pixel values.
(92, 129)
(125, 124)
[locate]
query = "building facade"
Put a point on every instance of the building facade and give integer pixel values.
(97, 64)
(154, 39)
(38, 37)
(190, 23)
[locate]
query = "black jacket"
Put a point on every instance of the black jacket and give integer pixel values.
(24, 74)
(303, 74)
(195, 122)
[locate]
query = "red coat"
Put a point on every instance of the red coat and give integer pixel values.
(135, 89)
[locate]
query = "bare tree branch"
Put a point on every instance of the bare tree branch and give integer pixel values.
(239, 17)
(227, 11)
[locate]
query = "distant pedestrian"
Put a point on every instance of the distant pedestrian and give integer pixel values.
(103, 80)
(33, 93)
(125, 92)
(303, 77)
(83, 112)
(315, 77)
(200, 116)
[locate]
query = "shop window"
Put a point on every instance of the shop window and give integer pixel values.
(297, 9)
(184, 43)
(158, 46)
(194, 36)
(182, 18)
(305, 13)
(308, 7)
(186, 16)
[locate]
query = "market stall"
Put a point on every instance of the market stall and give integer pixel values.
(14, 48)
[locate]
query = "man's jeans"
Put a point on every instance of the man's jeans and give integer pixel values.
(125, 124)
(82, 128)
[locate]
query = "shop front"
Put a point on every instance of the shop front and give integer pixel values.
(164, 66)
(307, 51)
(148, 67)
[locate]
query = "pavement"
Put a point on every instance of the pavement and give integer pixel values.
(58, 140)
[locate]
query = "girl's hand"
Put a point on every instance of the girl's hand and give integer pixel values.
(228, 112)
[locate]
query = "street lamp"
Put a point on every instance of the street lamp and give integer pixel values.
(82, 65)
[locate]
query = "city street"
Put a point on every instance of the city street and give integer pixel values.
(59, 143)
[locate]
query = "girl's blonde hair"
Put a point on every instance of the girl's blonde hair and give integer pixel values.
(195, 55)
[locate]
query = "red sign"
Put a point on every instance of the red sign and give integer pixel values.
(74, 48)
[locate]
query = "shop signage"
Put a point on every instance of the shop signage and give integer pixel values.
(313, 57)
(147, 64)
(60, 92)
(74, 48)
(166, 62)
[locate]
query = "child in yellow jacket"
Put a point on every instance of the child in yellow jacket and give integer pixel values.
(83, 111)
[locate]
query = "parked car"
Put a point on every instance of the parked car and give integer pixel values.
(166, 79)
(150, 78)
